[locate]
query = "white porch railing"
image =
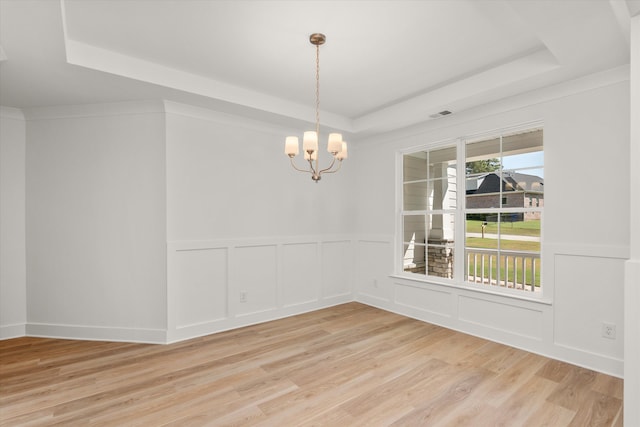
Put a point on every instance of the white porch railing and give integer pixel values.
(516, 269)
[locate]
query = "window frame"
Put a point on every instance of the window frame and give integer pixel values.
(460, 263)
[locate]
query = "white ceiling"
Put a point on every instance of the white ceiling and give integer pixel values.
(386, 64)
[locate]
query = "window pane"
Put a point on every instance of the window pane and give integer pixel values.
(481, 231)
(442, 162)
(413, 260)
(523, 163)
(520, 270)
(414, 229)
(481, 194)
(481, 248)
(440, 245)
(520, 250)
(441, 228)
(414, 166)
(482, 266)
(523, 144)
(440, 260)
(483, 182)
(520, 231)
(483, 156)
(442, 194)
(415, 196)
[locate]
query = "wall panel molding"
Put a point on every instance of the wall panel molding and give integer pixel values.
(258, 280)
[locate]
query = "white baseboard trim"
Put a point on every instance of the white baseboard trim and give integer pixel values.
(96, 333)
(221, 325)
(12, 331)
(601, 363)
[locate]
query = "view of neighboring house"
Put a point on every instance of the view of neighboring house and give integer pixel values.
(518, 191)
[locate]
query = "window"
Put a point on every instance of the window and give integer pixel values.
(499, 216)
(428, 212)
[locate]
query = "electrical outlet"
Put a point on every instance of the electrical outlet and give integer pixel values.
(609, 330)
(243, 296)
(375, 283)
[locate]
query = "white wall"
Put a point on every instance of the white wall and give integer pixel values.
(241, 220)
(229, 178)
(632, 272)
(123, 198)
(13, 307)
(586, 218)
(96, 222)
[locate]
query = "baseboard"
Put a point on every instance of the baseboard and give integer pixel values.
(220, 325)
(12, 331)
(96, 333)
(597, 362)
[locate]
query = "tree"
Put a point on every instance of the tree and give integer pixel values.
(479, 166)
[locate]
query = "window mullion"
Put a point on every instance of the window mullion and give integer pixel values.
(460, 217)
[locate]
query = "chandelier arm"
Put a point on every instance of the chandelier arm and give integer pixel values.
(313, 170)
(335, 170)
(329, 168)
(297, 168)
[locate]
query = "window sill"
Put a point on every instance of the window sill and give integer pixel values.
(476, 289)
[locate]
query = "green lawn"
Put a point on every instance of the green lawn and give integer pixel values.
(520, 228)
(507, 245)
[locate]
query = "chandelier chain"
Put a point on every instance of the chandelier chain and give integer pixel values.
(317, 89)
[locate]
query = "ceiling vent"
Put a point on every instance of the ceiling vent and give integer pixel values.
(440, 114)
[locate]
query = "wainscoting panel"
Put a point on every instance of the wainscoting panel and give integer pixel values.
(202, 294)
(300, 273)
(254, 285)
(337, 268)
(587, 288)
(374, 265)
(510, 318)
(431, 301)
(224, 284)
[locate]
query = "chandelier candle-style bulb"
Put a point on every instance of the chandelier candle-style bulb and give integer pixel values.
(310, 141)
(291, 146)
(335, 143)
(342, 154)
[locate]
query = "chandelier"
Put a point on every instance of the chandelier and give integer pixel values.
(335, 145)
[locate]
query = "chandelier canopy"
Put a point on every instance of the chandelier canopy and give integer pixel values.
(335, 145)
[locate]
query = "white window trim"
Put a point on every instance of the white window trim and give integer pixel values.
(460, 218)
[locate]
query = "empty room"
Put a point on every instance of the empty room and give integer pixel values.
(320, 213)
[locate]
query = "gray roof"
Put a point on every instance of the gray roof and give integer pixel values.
(511, 181)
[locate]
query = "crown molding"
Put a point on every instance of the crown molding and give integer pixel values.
(93, 110)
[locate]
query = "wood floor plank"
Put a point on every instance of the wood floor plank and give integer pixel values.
(550, 415)
(430, 410)
(348, 365)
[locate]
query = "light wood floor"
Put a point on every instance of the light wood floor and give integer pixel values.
(349, 365)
